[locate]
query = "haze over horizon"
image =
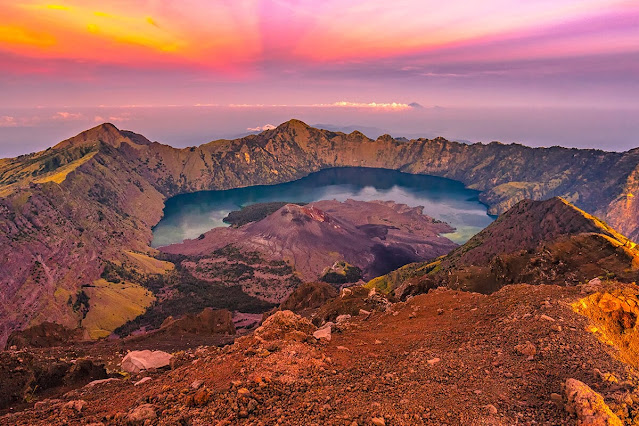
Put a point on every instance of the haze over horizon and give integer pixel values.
(543, 73)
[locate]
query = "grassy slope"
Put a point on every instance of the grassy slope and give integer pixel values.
(111, 305)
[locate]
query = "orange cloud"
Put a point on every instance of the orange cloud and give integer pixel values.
(121, 33)
(238, 36)
(14, 35)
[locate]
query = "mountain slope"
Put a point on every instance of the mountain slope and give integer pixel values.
(66, 211)
(535, 242)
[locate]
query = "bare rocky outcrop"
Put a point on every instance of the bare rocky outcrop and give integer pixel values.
(308, 297)
(352, 301)
(25, 375)
(614, 313)
(43, 335)
(285, 325)
(588, 405)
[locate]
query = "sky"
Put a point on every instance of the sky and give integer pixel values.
(395, 66)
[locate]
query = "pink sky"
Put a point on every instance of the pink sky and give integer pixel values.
(358, 54)
(154, 52)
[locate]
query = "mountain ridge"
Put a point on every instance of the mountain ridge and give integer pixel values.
(106, 189)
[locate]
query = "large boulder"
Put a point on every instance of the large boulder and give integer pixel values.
(136, 361)
(588, 405)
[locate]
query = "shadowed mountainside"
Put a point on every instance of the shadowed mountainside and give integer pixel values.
(93, 198)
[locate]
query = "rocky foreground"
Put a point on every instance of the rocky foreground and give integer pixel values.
(523, 355)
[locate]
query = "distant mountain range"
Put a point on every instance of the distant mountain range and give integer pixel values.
(73, 214)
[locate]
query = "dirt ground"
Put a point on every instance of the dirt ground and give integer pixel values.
(446, 357)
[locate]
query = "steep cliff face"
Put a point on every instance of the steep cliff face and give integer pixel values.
(622, 210)
(91, 198)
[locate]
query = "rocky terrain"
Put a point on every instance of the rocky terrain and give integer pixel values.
(90, 201)
(525, 354)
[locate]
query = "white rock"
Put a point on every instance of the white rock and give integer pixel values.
(142, 381)
(433, 361)
(324, 332)
(136, 361)
(99, 382)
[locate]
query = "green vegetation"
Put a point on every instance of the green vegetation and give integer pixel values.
(341, 273)
(81, 303)
(190, 295)
(115, 273)
(387, 283)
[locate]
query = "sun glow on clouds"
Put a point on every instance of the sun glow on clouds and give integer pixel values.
(152, 52)
(126, 32)
(390, 106)
(225, 35)
(372, 105)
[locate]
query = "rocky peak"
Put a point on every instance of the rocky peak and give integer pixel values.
(104, 133)
(385, 138)
(357, 135)
(299, 213)
(292, 125)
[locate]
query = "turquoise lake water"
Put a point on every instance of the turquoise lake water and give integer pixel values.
(187, 216)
